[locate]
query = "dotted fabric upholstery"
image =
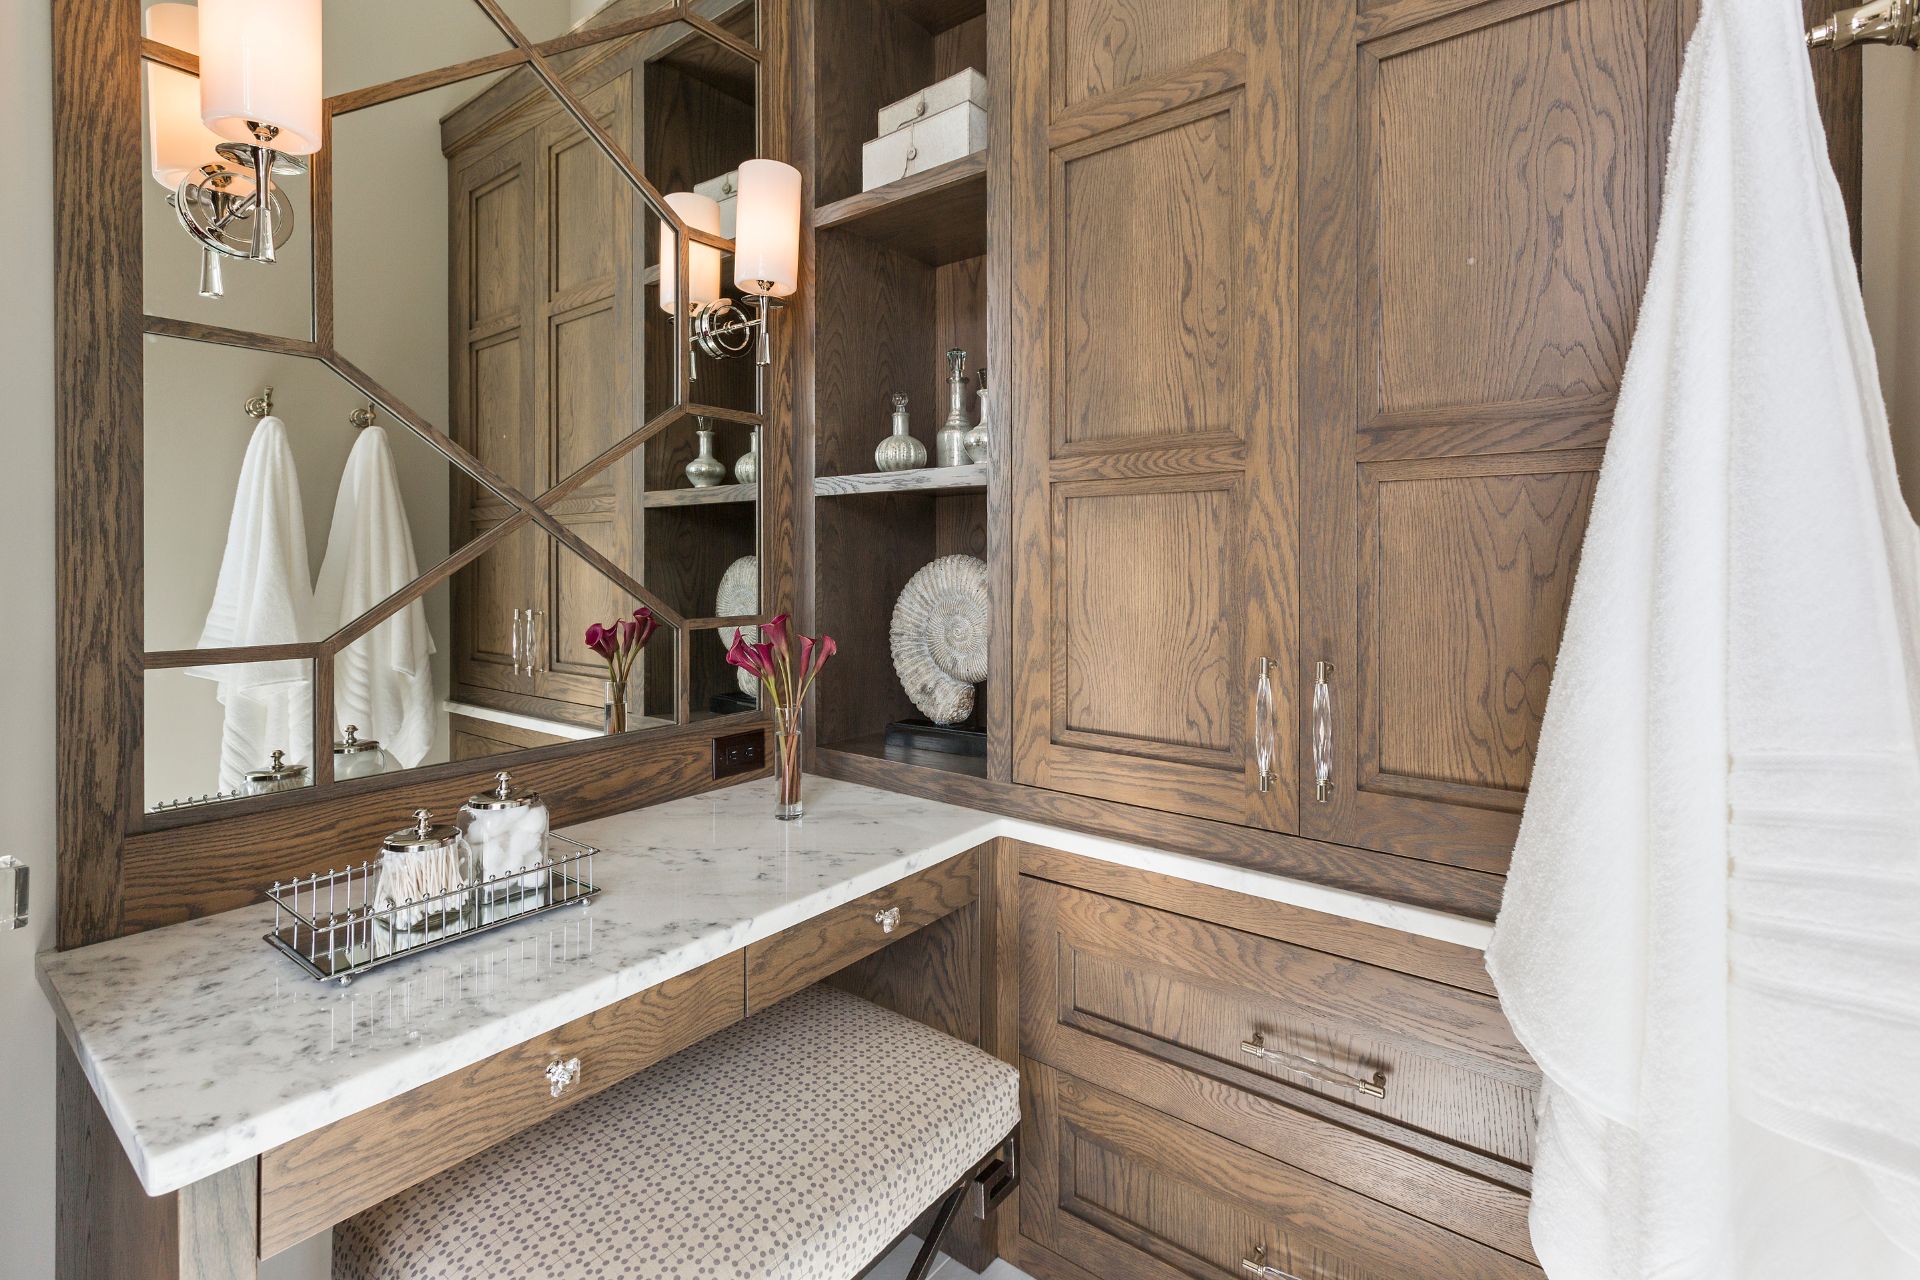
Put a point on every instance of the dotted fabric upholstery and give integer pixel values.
(794, 1145)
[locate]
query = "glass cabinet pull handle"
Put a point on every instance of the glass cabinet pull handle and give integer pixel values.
(1323, 731)
(518, 658)
(1301, 1064)
(1266, 727)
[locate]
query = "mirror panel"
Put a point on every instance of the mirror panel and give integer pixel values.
(373, 42)
(490, 270)
(222, 492)
(209, 727)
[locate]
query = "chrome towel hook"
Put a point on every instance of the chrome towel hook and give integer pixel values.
(364, 418)
(259, 406)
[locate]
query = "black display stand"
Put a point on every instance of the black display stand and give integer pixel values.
(949, 739)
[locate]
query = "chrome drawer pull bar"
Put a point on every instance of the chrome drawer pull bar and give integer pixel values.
(561, 1074)
(1255, 1264)
(888, 920)
(1300, 1064)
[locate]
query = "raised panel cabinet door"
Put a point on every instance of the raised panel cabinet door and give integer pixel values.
(493, 315)
(1155, 565)
(1481, 186)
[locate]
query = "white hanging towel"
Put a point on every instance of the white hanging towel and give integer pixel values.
(264, 595)
(382, 682)
(1710, 939)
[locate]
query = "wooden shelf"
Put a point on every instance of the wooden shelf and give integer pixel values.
(939, 216)
(719, 493)
(972, 478)
(874, 747)
(937, 15)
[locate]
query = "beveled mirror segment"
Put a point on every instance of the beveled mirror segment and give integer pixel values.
(212, 732)
(470, 273)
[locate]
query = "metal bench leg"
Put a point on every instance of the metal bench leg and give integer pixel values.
(923, 1261)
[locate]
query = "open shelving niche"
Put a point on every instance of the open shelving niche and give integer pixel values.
(900, 277)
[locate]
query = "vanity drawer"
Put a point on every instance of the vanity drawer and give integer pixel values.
(1266, 1042)
(1127, 1193)
(327, 1176)
(803, 955)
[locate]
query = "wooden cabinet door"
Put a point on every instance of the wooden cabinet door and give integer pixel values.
(1152, 176)
(1481, 186)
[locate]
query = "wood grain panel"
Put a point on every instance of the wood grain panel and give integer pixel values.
(779, 966)
(1154, 672)
(1509, 201)
(1113, 977)
(932, 975)
(1101, 46)
(1148, 241)
(1498, 164)
(1454, 697)
(1133, 1194)
(333, 1173)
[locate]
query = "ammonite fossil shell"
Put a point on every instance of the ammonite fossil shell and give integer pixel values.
(738, 596)
(939, 637)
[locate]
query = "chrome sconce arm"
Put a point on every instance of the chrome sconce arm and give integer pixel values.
(725, 330)
(1878, 22)
(222, 208)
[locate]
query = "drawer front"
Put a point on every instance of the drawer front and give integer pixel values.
(1130, 1194)
(803, 955)
(1391, 1054)
(330, 1175)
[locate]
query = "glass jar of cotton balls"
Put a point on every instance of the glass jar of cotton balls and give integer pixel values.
(507, 830)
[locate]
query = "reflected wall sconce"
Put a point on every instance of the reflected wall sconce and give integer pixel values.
(766, 261)
(258, 111)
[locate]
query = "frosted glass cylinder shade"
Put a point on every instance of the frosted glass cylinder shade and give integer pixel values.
(702, 213)
(177, 142)
(260, 61)
(766, 229)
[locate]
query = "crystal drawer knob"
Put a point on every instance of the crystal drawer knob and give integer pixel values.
(888, 920)
(561, 1074)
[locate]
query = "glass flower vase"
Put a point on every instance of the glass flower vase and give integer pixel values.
(786, 764)
(613, 709)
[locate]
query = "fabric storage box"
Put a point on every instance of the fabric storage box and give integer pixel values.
(723, 191)
(929, 141)
(964, 86)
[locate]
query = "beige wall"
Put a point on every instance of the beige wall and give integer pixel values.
(1890, 249)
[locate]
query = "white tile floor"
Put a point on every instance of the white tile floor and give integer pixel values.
(894, 1267)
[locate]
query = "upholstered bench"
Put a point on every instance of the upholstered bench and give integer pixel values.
(796, 1145)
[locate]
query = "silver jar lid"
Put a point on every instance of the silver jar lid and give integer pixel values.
(278, 771)
(423, 834)
(503, 795)
(354, 743)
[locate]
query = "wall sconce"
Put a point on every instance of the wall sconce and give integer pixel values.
(260, 103)
(766, 261)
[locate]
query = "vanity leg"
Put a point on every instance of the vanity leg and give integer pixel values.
(109, 1228)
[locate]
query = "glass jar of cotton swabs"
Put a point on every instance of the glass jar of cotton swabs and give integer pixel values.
(426, 876)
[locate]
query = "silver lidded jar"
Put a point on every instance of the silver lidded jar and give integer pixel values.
(506, 828)
(950, 446)
(277, 775)
(900, 451)
(358, 757)
(426, 876)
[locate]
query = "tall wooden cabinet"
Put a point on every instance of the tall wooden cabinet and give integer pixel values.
(1155, 429)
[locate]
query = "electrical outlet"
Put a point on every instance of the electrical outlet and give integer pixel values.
(739, 753)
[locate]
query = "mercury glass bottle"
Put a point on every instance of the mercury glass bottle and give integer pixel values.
(706, 471)
(977, 438)
(747, 469)
(900, 451)
(950, 446)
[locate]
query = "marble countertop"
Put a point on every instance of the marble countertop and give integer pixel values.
(207, 1047)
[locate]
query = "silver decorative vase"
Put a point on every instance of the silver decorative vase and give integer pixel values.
(706, 470)
(950, 446)
(747, 469)
(977, 438)
(900, 451)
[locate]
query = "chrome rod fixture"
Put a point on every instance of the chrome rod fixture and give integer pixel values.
(1879, 22)
(221, 139)
(766, 261)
